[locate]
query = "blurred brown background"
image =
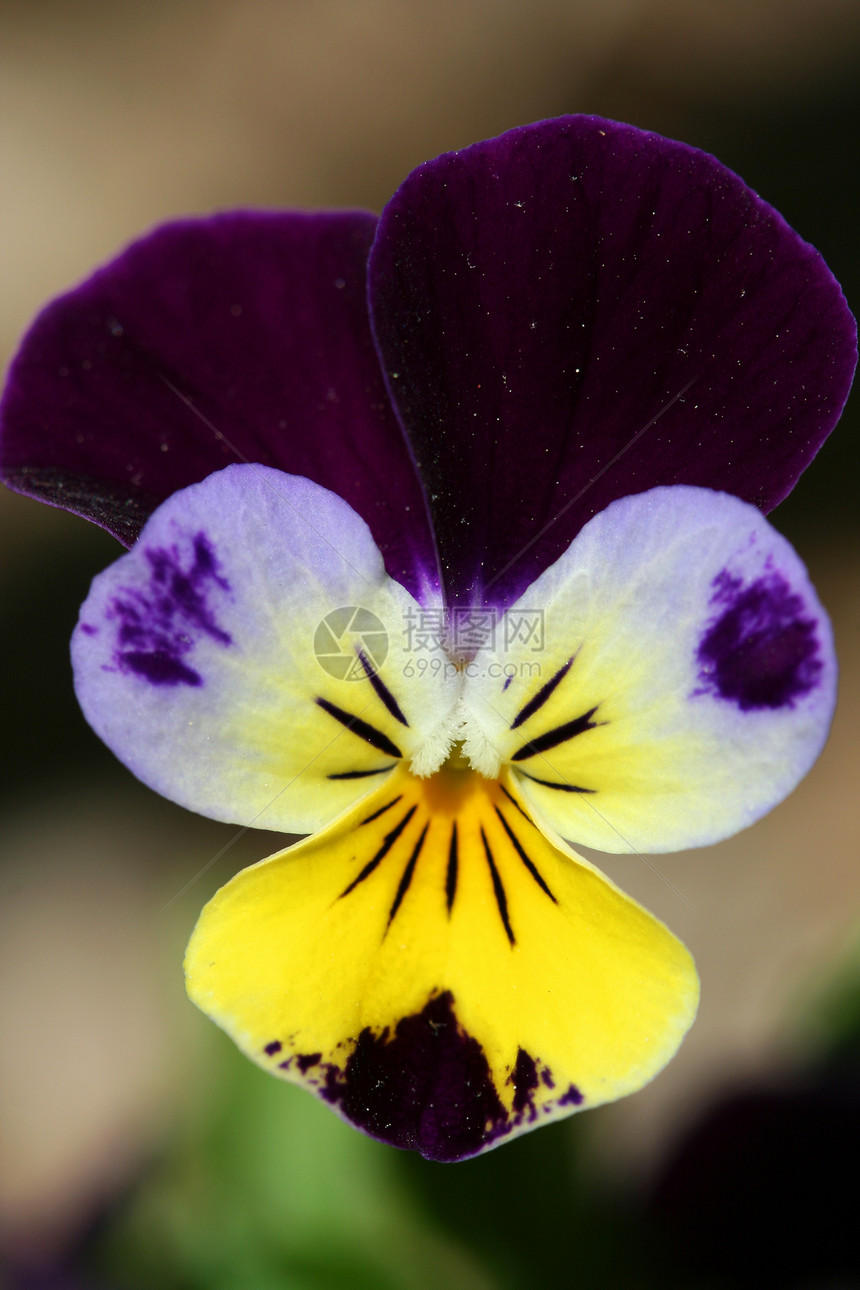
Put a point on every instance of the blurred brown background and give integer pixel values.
(114, 116)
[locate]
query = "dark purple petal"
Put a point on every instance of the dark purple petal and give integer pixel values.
(241, 337)
(577, 311)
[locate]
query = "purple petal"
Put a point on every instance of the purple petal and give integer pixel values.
(241, 337)
(577, 311)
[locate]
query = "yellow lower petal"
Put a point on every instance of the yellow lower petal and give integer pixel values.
(441, 971)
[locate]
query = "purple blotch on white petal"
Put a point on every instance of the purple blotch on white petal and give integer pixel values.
(159, 668)
(762, 649)
(158, 623)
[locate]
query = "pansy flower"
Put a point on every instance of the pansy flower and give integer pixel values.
(447, 549)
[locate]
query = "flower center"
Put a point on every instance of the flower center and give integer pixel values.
(451, 835)
(458, 743)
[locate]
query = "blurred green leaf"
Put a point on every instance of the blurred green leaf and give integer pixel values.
(263, 1187)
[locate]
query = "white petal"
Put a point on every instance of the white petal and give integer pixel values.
(245, 658)
(684, 682)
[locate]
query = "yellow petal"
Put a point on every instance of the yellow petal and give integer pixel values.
(441, 971)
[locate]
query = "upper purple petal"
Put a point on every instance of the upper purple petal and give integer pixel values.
(577, 311)
(242, 336)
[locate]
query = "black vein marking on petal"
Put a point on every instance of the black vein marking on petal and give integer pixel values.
(360, 774)
(361, 728)
(539, 699)
(382, 689)
(407, 876)
(559, 735)
(501, 898)
(512, 799)
(550, 783)
(529, 864)
(451, 875)
(388, 843)
(381, 811)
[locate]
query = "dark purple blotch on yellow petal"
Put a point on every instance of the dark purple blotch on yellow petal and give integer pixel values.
(272, 1048)
(428, 1086)
(524, 1078)
(572, 1097)
(762, 650)
(159, 624)
(425, 1088)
